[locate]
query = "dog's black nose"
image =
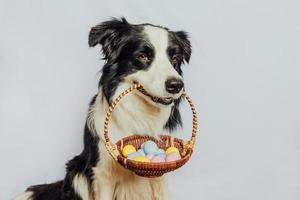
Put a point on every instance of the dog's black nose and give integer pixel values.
(174, 85)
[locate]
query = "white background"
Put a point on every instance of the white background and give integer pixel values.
(244, 77)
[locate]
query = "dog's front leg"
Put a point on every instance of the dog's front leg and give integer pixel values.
(105, 178)
(106, 189)
(160, 188)
(104, 184)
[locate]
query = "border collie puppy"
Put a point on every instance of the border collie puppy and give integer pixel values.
(144, 53)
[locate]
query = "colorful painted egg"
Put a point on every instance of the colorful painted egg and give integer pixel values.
(160, 151)
(150, 156)
(171, 150)
(150, 147)
(158, 159)
(133, 155)
(141, 159)
(141, 152)
(162, 155)
(127, 150)
(173, 157)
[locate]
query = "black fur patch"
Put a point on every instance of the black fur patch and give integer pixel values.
(121, 43)
(52, 191)
(175, 118)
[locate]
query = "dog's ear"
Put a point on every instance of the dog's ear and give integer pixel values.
(108, 34)
(183, 40)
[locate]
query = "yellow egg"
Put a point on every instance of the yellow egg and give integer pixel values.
(127, 150)
(141, 159)
(171, 150)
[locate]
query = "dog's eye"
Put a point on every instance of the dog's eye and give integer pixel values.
(175, 59)
(143, 58)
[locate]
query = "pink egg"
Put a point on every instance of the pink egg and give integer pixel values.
(150, 156)
(158, 159)
(173, 157)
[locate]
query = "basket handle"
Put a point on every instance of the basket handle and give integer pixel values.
(112, 148)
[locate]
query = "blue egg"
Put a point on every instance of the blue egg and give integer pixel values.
(141, 152)
(161, 155)
(150, 147)
(142, 146)
(160, 151)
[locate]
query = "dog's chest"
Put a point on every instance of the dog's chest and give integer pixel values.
(131, 117)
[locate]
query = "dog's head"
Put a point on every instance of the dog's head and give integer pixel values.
(144, 53)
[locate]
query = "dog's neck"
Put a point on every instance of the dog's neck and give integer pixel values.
(133, 115)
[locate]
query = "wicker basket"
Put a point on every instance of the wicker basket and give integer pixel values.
(151, 169)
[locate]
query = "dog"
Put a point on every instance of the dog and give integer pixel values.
(134, 53)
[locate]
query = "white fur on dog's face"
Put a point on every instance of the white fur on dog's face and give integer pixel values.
(153, 79)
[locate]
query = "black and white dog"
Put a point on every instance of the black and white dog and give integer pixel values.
(144, 53)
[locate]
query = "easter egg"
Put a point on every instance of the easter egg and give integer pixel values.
(173, 157)
(160, 151)
(141, 159)
(162, 156)
(171, 150)
(150, 147)
(133, 155)
(158, 159)
(141, 152)
(150, 156)
(128, 149)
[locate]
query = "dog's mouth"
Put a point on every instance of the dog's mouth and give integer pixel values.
(164, 101)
